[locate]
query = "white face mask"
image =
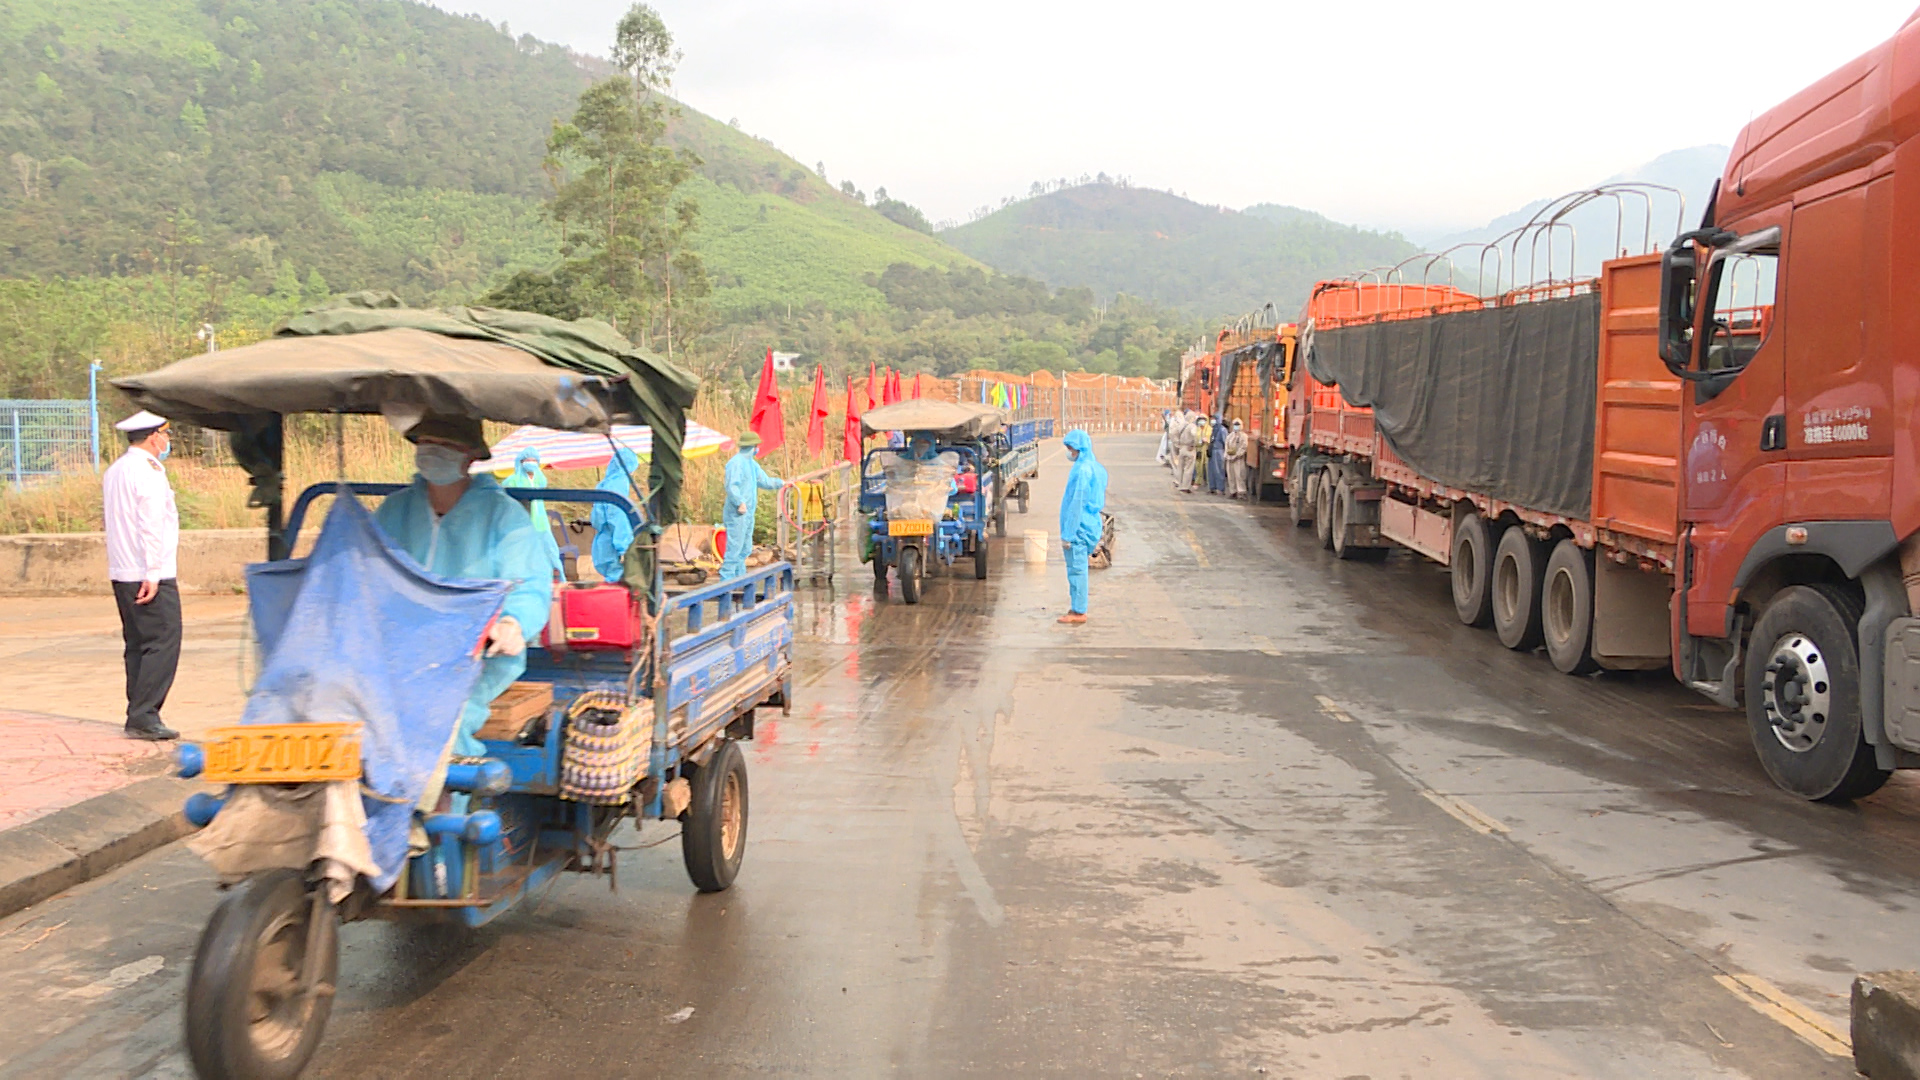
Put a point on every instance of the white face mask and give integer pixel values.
(440, 465)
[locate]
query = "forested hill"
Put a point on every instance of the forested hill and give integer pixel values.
(1169, 250)
(322, 145)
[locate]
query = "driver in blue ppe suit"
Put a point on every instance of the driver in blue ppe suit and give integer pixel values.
(1080, 507)
(462, 526)
(920, 448)
(612, 532)
(745, 480)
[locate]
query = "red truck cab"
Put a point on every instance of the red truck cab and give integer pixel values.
(1799, 486)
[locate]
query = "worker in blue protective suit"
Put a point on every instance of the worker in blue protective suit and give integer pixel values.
(527, 473)
(921, 448)
(745, 480)
(612, 531)
(1080, 507)
(461, 526)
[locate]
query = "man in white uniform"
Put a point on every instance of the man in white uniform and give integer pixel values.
(143, 544)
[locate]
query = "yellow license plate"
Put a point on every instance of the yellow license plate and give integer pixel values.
(909, 528)
(282, 753)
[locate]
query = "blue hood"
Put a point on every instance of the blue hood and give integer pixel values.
(1079, 441)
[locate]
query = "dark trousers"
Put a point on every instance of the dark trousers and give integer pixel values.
(152, 633)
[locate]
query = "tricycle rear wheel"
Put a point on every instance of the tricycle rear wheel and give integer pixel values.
(879, 574)
(247, 1018)
(713, 827)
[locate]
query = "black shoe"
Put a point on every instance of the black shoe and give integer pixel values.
(154, 732)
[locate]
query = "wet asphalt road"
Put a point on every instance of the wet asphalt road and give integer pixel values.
(1268, 814)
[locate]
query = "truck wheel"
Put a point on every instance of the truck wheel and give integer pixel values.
(1323, 508)
(713, 827)
(1341, 523)
(1803, 696)
(1471, 568)
(980, 560)
(879, 575)
(1518, 563)
(1566, 609)
(1300, 496)
(245, 1015)
(1000, 517)
(910, 574)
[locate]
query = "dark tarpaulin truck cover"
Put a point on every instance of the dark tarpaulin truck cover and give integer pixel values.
(1498, 400)
(367, 354)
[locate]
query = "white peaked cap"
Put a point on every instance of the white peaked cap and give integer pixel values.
(141, 421)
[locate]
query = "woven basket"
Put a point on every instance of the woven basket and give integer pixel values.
(608, 744)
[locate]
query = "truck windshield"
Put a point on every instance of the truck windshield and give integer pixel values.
(1741, 315)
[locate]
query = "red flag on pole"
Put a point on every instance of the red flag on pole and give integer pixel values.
(916, 386)
(767, 421)
(889, 387)
(817, 414)
(899, 394)
(873, 376)
(850, 442)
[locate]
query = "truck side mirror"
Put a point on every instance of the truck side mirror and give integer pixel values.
(1679, 272)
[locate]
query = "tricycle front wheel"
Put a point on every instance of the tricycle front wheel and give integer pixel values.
(713, 828)
(249, 1015)
(910, 572)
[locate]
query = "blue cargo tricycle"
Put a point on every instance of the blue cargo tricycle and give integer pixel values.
(919, 511)
(634, 714)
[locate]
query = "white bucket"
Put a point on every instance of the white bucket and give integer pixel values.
(1037, 546)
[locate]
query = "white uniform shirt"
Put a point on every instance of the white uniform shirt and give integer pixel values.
(143, 524)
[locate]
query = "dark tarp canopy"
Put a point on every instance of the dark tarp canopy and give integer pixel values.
(369, 354)
(1498, 400)
(950, 420)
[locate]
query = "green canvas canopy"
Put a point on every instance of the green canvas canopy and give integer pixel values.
(370, 354)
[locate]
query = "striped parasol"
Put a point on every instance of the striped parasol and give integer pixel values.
(584, 450)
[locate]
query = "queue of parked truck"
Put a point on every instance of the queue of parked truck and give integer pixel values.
(1702, 458)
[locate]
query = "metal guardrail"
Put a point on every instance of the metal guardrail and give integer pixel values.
(811, 508)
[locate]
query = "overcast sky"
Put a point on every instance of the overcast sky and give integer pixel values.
(1423, 116)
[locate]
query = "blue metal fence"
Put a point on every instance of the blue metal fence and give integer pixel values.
(41, 438)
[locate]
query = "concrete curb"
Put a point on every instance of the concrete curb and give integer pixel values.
(45, 857)
(1886, 1025)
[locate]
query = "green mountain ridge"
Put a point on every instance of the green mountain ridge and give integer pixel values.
(1157, 246)
(380, 144)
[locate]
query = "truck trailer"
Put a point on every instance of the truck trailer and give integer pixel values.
(1702, 459)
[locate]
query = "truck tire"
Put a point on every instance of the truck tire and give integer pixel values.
(244, 1019)
(1342, 526)
(980, 560)
(1566, 608)
(1300, 495)
(1323, 507)
(879, 575)
(910, 574)
(1803, 696)
(1471, 568)
(1000, 516)
(713, 827)
(1519, 562)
